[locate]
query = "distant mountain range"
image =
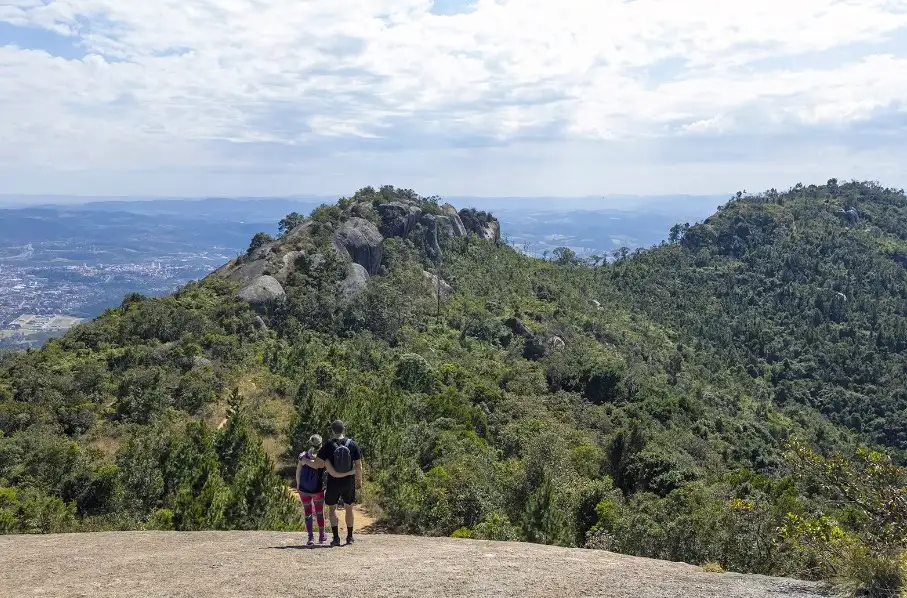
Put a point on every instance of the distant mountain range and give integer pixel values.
(585, 224)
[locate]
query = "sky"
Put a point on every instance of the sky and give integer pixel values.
(449, 97)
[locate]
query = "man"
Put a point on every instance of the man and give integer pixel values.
(343, 460)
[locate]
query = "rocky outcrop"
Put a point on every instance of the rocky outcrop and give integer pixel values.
(361, 240)
(534, 347)
(288, 265)
(450, 223)
(363, 209)
(355, 282)
(398, 219)
(481, 223)
(200, 361)
(247, 272)
(851, 215)
(432, 280)
(243, 563)
(262, 290)
(555, 343)
(492, 231)
(432, 248)
(297, 233)
(248, 267)
(357, 232)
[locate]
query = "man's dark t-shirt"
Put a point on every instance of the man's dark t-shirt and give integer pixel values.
(344, 488)
(327, 452)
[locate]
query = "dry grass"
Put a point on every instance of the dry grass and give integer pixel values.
(712, 567)
(107, 445)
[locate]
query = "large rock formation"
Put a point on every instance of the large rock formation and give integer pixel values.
(261, 290)
(481, 223)
(355, 282)
(361, 240)
(432, 248)
(398, 219)
(433, 284)
(492, 231)
(534, 347)
(288, 265)
(244, 273)
(449, 222)
(357, 233)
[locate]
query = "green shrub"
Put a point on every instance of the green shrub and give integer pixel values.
(161, 520)
(29, 511)
(415, 374)
(497, 526)
(861, 539)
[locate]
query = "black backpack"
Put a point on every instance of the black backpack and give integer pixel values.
(343, 458)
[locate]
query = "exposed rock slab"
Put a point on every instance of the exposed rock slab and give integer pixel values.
(261, 290)
(361, 240)
(432, 279)
(481, 223)
(355, 282)
(288, 264)
(398, 219)
(273, 565)
(432, 248)
(450, 222)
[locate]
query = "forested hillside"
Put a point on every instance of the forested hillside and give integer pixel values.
(673, 403)
(806, 289)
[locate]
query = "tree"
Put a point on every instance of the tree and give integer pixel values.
(543, 522)
(564, 256)
(258, 241)
(861, 531)
(289, 222)
(257, 497)
(201, 496)
(234, 438)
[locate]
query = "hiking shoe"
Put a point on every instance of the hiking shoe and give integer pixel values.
(335, 543)
(310, 543)
(349, 540)
(322, 538)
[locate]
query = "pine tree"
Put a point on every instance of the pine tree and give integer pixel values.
(257, 496)
(201, 495)
(543, 522)
(305, 420)
(234, 438)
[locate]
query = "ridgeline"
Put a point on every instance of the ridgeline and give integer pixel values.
(704, 401)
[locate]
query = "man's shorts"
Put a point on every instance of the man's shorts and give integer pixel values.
(344, 488)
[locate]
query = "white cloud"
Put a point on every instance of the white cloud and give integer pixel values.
(205, 84)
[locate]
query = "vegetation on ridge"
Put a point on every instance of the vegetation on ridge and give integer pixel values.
(647, 405)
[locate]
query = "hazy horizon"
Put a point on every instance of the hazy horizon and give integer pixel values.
(655, 204)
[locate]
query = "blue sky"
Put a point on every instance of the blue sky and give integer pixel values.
(451, 97)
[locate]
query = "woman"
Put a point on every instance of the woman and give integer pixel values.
(310, 484)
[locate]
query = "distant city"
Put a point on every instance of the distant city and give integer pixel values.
(61, 264)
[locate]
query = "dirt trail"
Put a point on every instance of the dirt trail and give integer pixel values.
(363, 523)
(277, 565)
